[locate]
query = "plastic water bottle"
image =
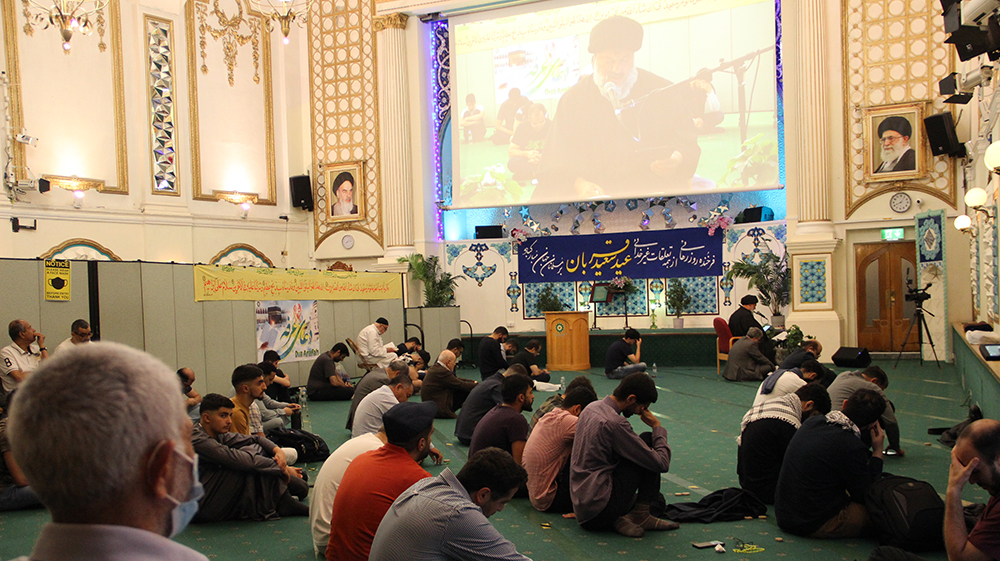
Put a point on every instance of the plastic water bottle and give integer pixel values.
(562, 383)
(654, 370)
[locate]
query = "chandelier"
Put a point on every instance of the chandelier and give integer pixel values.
(69, 16)
(283, 13)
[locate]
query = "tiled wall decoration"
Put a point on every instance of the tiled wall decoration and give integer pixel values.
(704, 295)
(160, 94)
(513, 291)
(931, 265)
(812, 287)
(566, 291)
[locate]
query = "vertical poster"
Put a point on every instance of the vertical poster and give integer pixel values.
(288, 327)
(57, 279)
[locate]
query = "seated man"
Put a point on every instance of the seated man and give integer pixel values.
(527, 357)
(482, 399)
(610, 463)
(248, 385)
(273, 413)
(746, 363)
(192, 398)
(492, 358)
(15, 494)
(328, 381)
(375, 479)
(370, 345)
(875, 379)
(457, 348)
(368, 417)
(372, 381)
(328, 483)
(809, 350)
(443, 387)
(743, 319)
(245, 477)
(765, 433)
(410, 348)
(79, 334)
(140, 483)
(504, 427)
(546, 454)
(557, 400)
(974, 459)
(828, 469)
(20, 358)
(445, 517)
(279, 390)
(784, 382)
(620, 361)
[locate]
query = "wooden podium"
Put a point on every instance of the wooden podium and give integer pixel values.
(567, 335)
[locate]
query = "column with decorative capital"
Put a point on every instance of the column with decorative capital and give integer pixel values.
(394, 136)
(811, 240)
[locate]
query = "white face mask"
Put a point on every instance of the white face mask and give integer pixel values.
(183, 512)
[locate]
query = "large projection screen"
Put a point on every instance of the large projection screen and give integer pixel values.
(617, 99)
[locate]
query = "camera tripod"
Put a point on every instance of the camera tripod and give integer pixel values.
(921, 325)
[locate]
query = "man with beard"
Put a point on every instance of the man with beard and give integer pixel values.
(974, 459)
(343, 187)
(894, 135)
(621, 125)
(504, 427)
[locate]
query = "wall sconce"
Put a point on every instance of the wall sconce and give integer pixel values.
(964, 224)
(992, 157)
(975, 198)
(78, 185)
(244, 200)
(284, 14)
(68, 16)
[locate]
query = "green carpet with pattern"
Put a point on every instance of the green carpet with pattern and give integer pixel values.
(701, 413)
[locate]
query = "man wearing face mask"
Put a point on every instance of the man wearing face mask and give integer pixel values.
(621, 125)
(139, 491)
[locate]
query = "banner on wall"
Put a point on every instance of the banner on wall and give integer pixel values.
(288, 327)
(688, 252)
(251, 283)
(57, 276)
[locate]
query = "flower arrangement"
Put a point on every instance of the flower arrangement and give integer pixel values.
(720, 222)
(518, 235)
(623, 284)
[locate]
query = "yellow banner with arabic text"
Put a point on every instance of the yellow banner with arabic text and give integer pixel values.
(238, 283)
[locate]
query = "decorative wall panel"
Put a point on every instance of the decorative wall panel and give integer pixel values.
(931, 266)
(894, 52)
(812, 283)
(344, 108)
(160, 94)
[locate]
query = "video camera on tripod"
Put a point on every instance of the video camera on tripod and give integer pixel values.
(918, 295)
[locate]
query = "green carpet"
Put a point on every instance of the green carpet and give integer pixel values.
(701, 413)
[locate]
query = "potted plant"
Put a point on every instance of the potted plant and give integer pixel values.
(771, 277)
(788, 341)
(439, 286)
(678, 301)
(548, 301)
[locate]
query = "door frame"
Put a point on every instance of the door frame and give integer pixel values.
(855, 306)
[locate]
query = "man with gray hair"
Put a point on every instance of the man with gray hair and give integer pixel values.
(443, 387)
(372, 381)
(139, 491)
(746, 362)
(20, 358)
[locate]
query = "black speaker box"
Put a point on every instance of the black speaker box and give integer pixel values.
(302, 195)
(941, 135)
(852, 357)
(489, 232)
(755, 214)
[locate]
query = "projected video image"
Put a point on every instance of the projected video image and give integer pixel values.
(614, 100)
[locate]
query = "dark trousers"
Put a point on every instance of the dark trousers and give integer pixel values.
(630, 484)
(331, 393)
(563, 502)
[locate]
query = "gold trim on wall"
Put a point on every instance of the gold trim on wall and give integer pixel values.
(245, 247)
(80, 241)
(344, 108)
(74, 183)
(169, 26)
(391, 21)
(193, 73)
(118, 88)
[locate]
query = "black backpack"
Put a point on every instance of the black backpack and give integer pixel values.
(311, 447)
(907, 513)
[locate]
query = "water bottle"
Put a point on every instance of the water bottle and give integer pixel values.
(654, 370)
(562, 383)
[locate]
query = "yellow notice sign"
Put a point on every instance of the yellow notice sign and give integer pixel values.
(250, 283)
(57, 279)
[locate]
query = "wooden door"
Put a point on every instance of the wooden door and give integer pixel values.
(884, 315)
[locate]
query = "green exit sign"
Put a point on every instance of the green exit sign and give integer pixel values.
(892, 233)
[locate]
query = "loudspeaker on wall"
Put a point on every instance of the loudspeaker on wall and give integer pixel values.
(301, 187)
(942, 137)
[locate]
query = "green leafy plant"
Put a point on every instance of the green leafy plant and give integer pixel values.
(548, 301)
(678, 298)
(439, 286)
(770, 276)
(794, 338)
(756, 164)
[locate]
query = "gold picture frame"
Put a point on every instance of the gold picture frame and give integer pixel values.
(910, 159)
(336, 178)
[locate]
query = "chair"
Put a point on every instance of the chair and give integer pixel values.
(362, 363)
(723, 343)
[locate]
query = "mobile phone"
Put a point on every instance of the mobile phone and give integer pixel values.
(706, 545)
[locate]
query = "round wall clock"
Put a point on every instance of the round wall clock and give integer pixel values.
(900, 202)
(347, 241)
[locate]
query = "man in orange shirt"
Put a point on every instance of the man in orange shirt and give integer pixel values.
(375, 479)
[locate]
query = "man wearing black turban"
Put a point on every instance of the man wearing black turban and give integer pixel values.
(894, 136)
(621, 126)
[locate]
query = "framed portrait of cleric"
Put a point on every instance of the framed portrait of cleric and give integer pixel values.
(346, 184)
(895, 148)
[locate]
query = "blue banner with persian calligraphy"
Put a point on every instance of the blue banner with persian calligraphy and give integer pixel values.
(688, 252)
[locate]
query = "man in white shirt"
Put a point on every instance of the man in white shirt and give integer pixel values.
(80, 334)
(20, 358)
(783, 382)
(368, 417)
(370, 345)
